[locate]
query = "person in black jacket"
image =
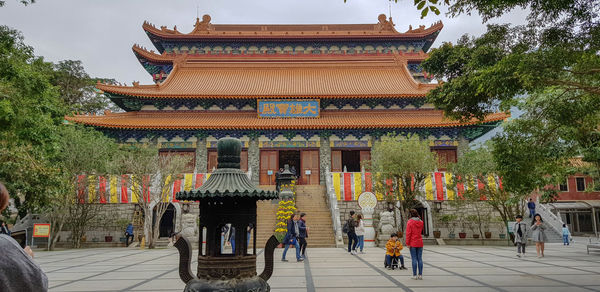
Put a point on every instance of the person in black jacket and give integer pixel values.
(303, 233)
(352, 238)
(291, 237)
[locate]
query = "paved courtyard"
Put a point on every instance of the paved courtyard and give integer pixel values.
(447, 268)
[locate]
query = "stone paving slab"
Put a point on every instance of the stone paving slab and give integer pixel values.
(446, 268)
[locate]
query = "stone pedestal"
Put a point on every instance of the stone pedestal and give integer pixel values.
(367, 202)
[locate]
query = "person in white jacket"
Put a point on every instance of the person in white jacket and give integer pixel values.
(360, 232)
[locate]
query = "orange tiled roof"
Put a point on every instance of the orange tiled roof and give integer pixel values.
(282, 78)
(206, 30)
(355, 119)
(170, 57)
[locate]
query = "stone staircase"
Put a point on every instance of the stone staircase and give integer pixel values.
(310, 199)
(265, 219)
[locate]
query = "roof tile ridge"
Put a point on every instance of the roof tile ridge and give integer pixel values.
(149, 54)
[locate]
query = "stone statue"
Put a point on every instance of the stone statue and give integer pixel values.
(386, 226)
(189, 228)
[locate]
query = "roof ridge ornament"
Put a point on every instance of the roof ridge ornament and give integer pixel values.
(384, 24)
(204, 25)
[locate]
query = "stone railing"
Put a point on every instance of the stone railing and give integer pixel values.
(549, 218)
(334, 209)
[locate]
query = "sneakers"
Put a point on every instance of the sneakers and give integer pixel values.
(518, 255)
(300, 260)
(420, 277)
(414, 278)
(389, 268)
(284, 260)
(362, 252)
(353, 253)
(403, 268)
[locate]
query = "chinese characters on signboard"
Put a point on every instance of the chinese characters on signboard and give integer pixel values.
(288, 108)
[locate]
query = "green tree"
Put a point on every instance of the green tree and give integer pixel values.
(406, 161)
(78, 90)
(152, 177)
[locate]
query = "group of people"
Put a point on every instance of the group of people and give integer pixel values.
(296, 235)
(354, 228)
(538, 234)
(18, 271)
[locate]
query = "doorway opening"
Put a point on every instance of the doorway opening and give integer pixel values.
(423, 214)
(166, 225)
(291, 158)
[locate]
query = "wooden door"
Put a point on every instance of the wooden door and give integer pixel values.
(268, 166)
(309, 162)
(365, 155)
(336, 161)
(445, 156)
(244, 160)
(212, 160)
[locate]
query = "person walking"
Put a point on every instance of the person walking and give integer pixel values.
(351, 231)
(128, 234)
(303, 234)
(4, 228)
(360, 232)
(414, 240)
(520, 231)
(531, 207)
(18, 271)
(291, 238)
(538, 234)
(566, 234)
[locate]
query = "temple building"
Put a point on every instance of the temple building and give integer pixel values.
(314, 96)
(311, 96)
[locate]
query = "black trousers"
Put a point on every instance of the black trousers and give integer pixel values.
(303, 244)
(127, 240)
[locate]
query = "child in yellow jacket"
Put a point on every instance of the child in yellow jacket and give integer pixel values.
(393, 248)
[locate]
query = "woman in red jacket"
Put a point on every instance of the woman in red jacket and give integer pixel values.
(414, 241)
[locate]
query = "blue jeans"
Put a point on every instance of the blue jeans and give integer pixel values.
(352, 238)
(287, 245)
(565, 239)
(416, 254)
(388, 260)
(531, 213)
(361, 242)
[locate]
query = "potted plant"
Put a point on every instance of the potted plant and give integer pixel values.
(450, 223)
(121, 225)
(472, 219)
(462, 225)
(485, 223)
(501, 228)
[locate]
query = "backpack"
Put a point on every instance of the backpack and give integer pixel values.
(346, 228)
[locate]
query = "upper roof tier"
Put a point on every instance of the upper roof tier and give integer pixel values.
(283, 77)
(205, 30)
(248, 120)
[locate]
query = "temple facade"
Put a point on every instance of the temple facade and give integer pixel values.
(315, 97)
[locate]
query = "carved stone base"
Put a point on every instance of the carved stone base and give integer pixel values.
(254, 284)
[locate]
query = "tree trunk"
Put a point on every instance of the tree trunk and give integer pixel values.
(148, 227)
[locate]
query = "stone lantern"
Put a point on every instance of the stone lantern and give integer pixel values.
(227, 261)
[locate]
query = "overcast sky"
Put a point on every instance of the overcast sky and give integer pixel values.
(101, 32)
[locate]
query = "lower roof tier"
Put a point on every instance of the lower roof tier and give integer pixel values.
(248, 120)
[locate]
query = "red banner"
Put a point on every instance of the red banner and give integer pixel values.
(199, 180)
(439, 186)
(81, 188)
(347, 187)
(124, 198)
(176, 189)
(102, 189)
(368, 182)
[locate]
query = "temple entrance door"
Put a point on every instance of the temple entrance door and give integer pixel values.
(309, 174)
(167, 222)
(291, 158)
(268, 166)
